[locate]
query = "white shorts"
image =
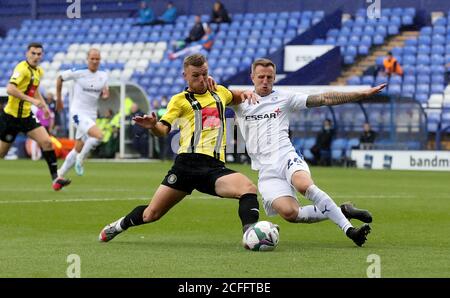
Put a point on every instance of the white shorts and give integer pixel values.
(82, 125)
(275, 180)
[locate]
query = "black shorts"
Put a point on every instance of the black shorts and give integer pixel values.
(10, 126)
(195, 171)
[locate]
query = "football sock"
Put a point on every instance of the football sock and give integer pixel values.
(309, 214)
(50, 158)
(248, 209)
(134, 218)
(68, 162)
(327, 207)
(90, 144)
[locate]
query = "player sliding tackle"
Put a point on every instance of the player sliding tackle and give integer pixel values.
(282, 171)
(200, 115)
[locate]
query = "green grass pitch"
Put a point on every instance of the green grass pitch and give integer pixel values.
(201, 236)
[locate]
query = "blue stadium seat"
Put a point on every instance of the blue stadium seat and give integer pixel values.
(353, 41)
(423, 70)
(409, 59)
(330, 40)
(438, 49)
(281, 24)
(440, 22)
(342, 41)
(423, 79)
(368, 80)
(438, 39)
(319, 41)
(295, 14)
(421, 97)
(348, 23)
(394, 89)
(437, 88)
(395, 21)
(333, 32)
(411, 42)
(345, 32)
(395, 79)
(410, 50)
(437, 79)
(407, 20)
(410, 11)
(437, 59)
(354, 80)
(423, 59)
(363, 50)
(398, 11)
(259, 24)
(369, 30)
(393, 29)
(424, 39)
(409, 69)
(378, 39)
(423, 88)
(380, 80)
(408, 90)
(357, 31)
(360, 21)
(293, 23)
(349, 59)
(283, 15)
(426, 31)
(381, 30)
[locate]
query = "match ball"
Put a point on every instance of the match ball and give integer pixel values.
(261, 236)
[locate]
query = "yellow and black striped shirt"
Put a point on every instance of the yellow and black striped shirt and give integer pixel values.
(27, 79)
(201, 119)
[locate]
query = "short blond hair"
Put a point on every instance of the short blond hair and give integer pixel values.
(263, 62)
(194, 60)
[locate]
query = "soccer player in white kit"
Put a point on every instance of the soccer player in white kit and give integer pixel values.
(282, 171)
(89, 85)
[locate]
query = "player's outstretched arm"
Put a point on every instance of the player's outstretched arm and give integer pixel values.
(337, 98)
(59, 102)
(12, 90)
(149, 121)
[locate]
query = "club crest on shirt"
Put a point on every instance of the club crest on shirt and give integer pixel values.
(15, 75)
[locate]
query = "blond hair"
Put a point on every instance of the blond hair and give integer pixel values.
(263, 62)
(194, 60)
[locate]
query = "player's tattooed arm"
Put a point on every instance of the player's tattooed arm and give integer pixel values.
(337, 98)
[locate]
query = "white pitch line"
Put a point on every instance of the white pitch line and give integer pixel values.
(70, 200)
(86, 200)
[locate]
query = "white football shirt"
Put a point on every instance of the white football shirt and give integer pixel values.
(265, 126)
(86, 90)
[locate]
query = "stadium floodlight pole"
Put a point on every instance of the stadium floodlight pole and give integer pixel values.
(122, 120)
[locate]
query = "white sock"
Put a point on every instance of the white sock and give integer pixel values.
(68, 163)
(327, 207)
(118, 222)
(88, 146)
(310, 214)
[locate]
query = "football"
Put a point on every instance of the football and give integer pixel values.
(261, 236)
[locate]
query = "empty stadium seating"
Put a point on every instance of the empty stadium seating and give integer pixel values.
(359, 34)
(141, 53)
